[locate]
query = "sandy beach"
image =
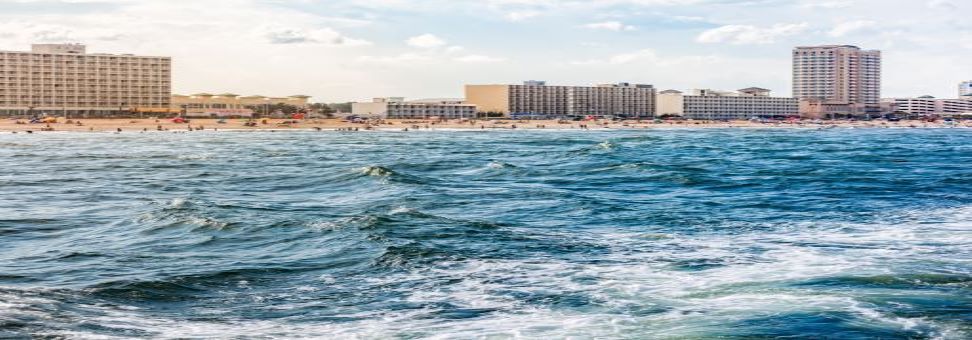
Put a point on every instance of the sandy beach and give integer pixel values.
(146, 125)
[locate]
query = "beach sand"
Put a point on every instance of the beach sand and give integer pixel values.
(139, 125)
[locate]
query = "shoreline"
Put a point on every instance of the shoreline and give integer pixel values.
(336, 125)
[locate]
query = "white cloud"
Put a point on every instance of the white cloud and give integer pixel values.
(425, 41)
(644, 56)
(634, 56)
(412, 59)
(616, 26)
(942, 4)
(326, 36)
(521, 15)
(401, 59)
(476, 58)
(849, 27)
(54, 33)
(748, 34)
(828, 4)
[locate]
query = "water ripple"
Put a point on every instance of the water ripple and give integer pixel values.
(525, 234)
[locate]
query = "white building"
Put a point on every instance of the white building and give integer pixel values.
(965, 89)
(928, 105)
(710, 104)
(398, 108)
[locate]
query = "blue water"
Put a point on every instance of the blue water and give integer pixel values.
(842, 233)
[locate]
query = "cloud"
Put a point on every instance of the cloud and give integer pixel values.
(521, 15)
(476, 58)
(942, 4)
(326, 36)
(616, 26)
(426, 58)
(425, 41)
(827, 4)
(648, 56)
(401, 59)
(748, 34)
(54, 33)
(849, 27)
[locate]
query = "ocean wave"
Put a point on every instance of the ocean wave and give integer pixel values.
(624, 234)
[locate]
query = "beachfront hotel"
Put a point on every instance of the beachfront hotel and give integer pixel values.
(206, 105)
(63, 79)
(536, 98)
(753, 102)
(928, 105)
(399, 108)
(837, 80)
(965, 89)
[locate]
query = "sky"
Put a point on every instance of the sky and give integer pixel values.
(353, 50)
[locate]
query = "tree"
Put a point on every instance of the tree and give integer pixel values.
(321, 108)
(268, 109)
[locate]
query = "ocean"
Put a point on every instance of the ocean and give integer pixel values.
(683, 233)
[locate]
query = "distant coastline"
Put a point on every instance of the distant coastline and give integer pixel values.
(240, 125)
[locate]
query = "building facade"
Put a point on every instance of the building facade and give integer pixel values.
(708, 104)
(965, 89)
(230, 105)
(842, 77)
(535, 98)
(928, 105)
(398, 108)
(63, 79)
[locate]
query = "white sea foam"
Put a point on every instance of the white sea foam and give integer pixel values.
(747, 285)
(177, 202)
(400, 210)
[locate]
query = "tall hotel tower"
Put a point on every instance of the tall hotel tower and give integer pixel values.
(837, 78)
(63, 79)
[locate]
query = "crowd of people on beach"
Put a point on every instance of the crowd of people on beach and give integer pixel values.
(356, 125)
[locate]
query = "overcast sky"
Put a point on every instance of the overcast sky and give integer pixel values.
(352, 50)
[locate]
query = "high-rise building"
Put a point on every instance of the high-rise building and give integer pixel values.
(63, 79)
(710, 104)
(837, 76)
(537, 98)
(965, 89)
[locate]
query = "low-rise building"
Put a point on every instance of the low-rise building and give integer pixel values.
(536, 98)
(928, 105)
(399, 108)
(965, 89)
(230, 105)
(710, 104)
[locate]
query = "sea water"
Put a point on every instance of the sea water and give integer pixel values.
(523, 234)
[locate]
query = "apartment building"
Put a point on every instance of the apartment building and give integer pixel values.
(965, 89)
(536, 98)
(840, 77)
(399, 108)
(63, 79)
(717, 105)
(229, 104)
(928, 105)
